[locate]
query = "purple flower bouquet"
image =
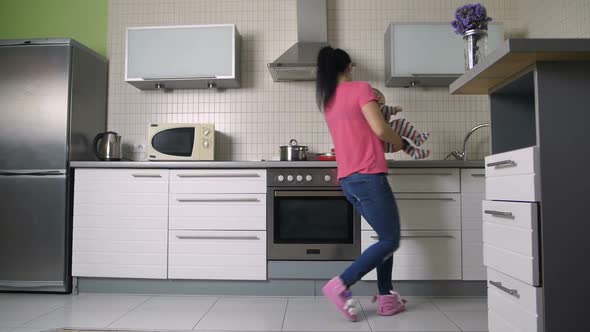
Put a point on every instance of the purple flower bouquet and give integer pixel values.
(470, 17)
(471, 22)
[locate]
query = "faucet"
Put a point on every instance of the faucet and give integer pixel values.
(462, 155)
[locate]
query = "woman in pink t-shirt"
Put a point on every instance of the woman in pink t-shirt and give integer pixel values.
(358, 131)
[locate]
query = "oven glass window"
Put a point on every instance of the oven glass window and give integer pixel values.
(175, 142)
(313, 220)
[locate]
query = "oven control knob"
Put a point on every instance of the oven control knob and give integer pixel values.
(299, 178)
(327, 178)
(206, 143)
(289, 178)
(206, 132)
(280, 178)
(308, 178)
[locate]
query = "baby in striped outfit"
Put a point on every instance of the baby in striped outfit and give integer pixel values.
(404, 128)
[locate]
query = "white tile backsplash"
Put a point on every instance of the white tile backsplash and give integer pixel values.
(555, 18)
(254, 120)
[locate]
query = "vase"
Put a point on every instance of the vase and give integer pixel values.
(476, 41)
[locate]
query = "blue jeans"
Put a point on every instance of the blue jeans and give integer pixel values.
(371, 196)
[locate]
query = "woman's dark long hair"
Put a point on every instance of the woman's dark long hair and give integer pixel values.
(331, 63)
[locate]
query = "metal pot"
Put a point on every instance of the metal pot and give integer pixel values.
(293, 152)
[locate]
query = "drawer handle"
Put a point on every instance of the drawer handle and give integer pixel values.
(146, 175)
(503, 163)
(478, 175)
(422, 174)
(216, 200)
(220, 175)
(505, 289)
(213, 237)
(446, 199)
(499, 213)
(420, 237)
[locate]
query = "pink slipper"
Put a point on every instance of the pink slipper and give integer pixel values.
(389, 305)
(336, 292)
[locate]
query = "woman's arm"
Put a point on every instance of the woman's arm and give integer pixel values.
(380, 127)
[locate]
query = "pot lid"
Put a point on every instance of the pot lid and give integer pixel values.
(294, 145)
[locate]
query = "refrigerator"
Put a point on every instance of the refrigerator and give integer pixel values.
(53, 96)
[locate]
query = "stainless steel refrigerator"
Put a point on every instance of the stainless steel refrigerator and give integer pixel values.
(52, 102)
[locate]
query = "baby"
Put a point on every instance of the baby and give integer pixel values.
(404, 128)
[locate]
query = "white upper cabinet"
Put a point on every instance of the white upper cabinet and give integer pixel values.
(428, 54)
(183, 57)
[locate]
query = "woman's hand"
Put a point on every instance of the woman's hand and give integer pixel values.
(380, 127)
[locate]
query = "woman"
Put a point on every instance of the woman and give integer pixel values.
(358, 131)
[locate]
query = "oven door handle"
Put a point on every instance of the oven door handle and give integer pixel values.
(333, 193)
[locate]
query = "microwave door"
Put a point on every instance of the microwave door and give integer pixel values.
(177, 143)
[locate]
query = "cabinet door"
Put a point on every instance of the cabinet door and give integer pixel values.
(422, 255)
(120, 223)
(217, 255)
(183, 52)
(472, 195)
(427, 212)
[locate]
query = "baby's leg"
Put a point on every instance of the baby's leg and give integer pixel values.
(416, 153)
(406, 129)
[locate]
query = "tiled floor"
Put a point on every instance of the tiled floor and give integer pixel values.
(35, 312)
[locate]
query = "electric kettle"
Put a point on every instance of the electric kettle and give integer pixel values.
(107, 146)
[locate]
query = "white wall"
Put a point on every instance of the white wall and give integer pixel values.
(555, 18)
(262, 115)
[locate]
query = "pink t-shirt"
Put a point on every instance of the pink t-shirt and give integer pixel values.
(358, 149)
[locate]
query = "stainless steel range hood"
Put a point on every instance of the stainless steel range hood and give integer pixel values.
(298, 63)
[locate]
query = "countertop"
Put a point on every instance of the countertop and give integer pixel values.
(269, 164)
(514, 56)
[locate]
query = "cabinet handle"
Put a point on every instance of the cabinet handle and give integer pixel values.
(426, 199)
(503, 163)
(178, 78)
(220, 175)
(478, 175)
(505, 289)
(146, 175)
(421, 174)
(220, 200)
(499, 213)
(420, 237)
(213, 237)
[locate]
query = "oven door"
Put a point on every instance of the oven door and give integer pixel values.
(312, 224)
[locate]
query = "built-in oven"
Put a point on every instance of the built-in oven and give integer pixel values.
(309, 218)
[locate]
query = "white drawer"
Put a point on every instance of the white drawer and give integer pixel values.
(512, 214)
(519, 266)
(510, 234)
(513, 305)
(517, 162)
(422, 255)
(218, 211)
(427, 211)
(473, 180)
(412, 180)
(122, 181)
(210, 181)
(215, 255)
(514, 188)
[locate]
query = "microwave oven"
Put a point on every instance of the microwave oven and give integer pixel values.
(181, 141)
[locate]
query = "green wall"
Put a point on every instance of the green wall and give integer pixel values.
(84, 20)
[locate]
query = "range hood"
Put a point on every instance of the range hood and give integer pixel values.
(298, 63)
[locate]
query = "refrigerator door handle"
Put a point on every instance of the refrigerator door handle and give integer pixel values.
(33, 173)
